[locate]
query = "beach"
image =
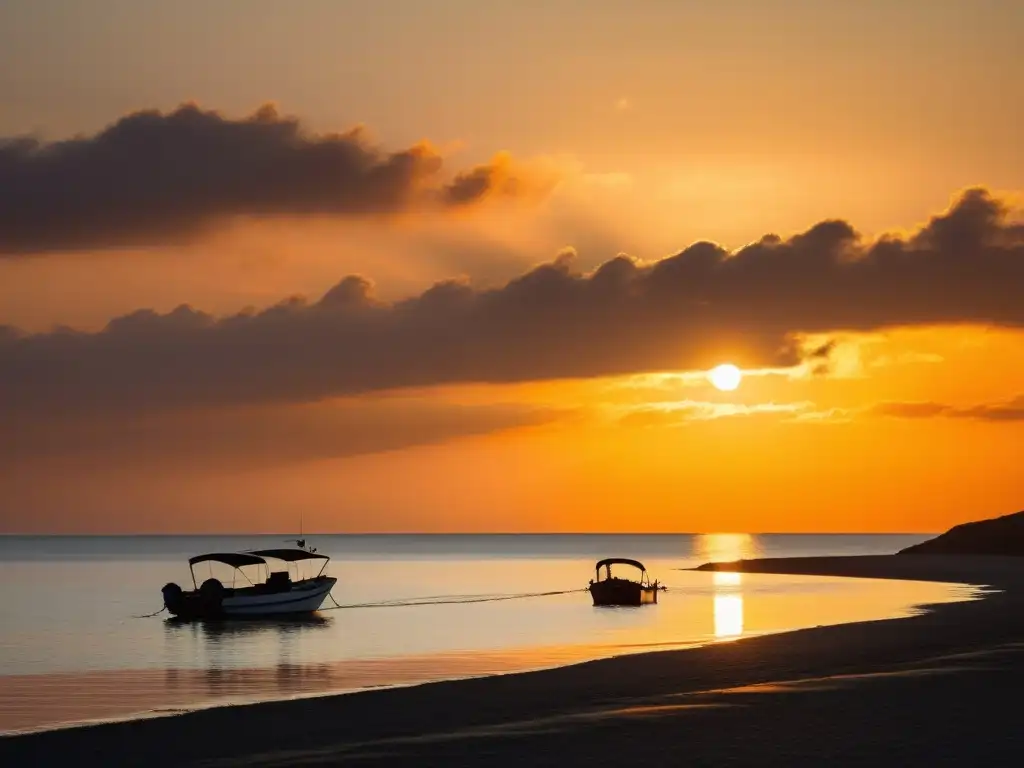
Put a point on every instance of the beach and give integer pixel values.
(930, 689)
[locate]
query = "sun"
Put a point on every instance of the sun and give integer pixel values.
(725, 377)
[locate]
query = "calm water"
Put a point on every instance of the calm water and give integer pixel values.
(70, 651)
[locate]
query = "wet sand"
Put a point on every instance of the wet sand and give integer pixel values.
(935, 689)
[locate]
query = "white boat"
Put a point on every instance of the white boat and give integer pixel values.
(276, 595)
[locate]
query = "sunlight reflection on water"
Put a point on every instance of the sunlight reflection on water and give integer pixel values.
(70, 652)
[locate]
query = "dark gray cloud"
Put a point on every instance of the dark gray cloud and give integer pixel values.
(687, 311)
(155, 178)
(1008, 410)
(253, 436)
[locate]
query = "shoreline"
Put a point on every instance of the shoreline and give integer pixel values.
(117, 695)
(459, 715)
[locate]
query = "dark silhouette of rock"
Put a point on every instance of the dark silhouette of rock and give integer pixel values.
(998, 536)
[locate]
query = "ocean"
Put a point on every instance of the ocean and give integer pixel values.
(72, 651)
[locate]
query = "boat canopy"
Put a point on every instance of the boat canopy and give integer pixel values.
(289, 555)
(234, 559)
(619, 561)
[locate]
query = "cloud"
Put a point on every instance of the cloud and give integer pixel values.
(658, 387)
(256, 436)
(910, 410)
(668, 413)
(684, 411)
(907, 358)
(1007, 410)
(500, 177)
(685, 312)
(827, 416)
(153, 178)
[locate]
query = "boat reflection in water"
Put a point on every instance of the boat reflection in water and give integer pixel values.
(214, 631)
(226, 646)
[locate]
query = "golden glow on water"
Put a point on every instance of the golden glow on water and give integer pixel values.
(728, 604)
(724, 547)
(67, 660)
(728, 616)
(727, 578)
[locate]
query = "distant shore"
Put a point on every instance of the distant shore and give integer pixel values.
(976, 570)
(927, 689)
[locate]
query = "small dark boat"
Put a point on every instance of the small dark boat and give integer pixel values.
(612, 590)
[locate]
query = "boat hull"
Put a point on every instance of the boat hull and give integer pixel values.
(303, 598)
(622, 592)
(299, 599)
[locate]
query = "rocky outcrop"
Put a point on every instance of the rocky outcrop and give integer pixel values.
(998, 536)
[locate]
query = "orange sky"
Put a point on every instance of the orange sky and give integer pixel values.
(884, 383)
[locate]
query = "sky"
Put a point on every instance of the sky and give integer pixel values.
(461, 266)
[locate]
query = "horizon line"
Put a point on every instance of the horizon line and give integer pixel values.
(478, 533)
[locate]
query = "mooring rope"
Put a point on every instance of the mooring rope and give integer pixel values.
(449, 600)
(151, 615)
(429, 600)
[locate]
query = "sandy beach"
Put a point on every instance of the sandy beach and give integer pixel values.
(932, 689)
